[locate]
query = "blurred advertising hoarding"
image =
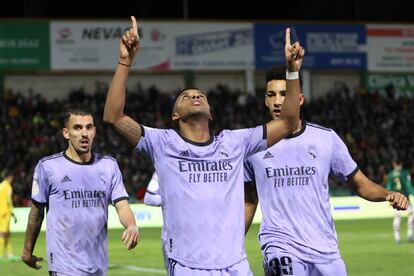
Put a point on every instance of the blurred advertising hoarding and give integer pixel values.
(332, 46)
(163, 45)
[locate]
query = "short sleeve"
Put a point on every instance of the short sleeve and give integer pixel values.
(342, 164)
(151, 141)
(118, 191)
(152, 195)
(254, 139)
(40, 184)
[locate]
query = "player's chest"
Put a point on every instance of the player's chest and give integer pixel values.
(84, 178)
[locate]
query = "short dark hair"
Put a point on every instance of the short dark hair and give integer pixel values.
(179, 92)
(75, 110)
(279, 73)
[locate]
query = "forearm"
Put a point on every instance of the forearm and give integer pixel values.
(291, 106)
(367, 189)
(372, 192)
(289, 116)
(32, 231)
(250, 204)
(115, 100)
(126, 217)
(249, 211)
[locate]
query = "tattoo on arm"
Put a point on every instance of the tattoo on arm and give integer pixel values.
(34, 224)
(129, 129)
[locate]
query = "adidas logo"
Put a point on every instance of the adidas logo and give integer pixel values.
(66, 179)
(268, 155)
(184, 153)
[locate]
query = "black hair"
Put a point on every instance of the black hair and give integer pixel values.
(279, 73)
(75, 110)
(179, 92)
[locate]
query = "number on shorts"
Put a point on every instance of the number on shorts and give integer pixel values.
(278, 267)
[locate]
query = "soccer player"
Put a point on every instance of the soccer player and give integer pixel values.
(399, 180)
(153, 198)
(6, 213)
(76, 186)
(200, 175)
(297, 233)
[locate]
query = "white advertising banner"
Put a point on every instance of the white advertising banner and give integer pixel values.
(390, 48)
(93, 45)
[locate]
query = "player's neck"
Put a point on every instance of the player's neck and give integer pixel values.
(195, 131)
(299, 127)
(80, 158)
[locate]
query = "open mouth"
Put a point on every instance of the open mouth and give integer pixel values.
(84, 143)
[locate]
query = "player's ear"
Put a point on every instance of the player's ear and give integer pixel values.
(175, 117)
(65, 133)
(301, 98)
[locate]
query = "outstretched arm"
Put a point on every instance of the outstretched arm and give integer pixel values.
(34, 224)
(371, 191)
(289, 116)
(130, 237)
(115, 100)
(250, 204)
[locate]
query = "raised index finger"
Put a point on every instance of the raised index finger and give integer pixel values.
(134, 26)
(287, 37)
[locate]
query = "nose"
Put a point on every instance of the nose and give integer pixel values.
(279, 100)
(196, 97)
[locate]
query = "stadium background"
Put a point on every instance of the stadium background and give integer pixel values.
(360, 83)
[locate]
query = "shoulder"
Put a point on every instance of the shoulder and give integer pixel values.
(51, 158)
(146, 129)
(104, 160)
(317, 127)
(99, 157)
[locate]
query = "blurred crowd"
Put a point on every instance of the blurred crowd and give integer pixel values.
(375, 127)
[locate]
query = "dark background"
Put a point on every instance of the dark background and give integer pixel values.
(321, 10)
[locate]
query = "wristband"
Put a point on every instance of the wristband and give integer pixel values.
(292, 75)
(124, 64)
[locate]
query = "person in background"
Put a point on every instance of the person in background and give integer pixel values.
(153, 198)
(399, 180)
(6, 213)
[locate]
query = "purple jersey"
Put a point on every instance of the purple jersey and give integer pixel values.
(201, 185)
(152, 196)
(77, 197)
(293, 190)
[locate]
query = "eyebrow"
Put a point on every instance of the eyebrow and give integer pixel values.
(80, 125)
(187, 92)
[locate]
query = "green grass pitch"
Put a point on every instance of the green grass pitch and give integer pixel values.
(367, 247)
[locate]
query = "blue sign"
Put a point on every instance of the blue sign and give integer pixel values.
(326, 46)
